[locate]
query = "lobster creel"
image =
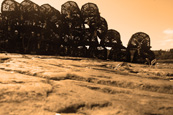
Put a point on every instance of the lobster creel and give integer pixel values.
(138, 49)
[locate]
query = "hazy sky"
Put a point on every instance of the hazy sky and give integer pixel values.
(154, 17)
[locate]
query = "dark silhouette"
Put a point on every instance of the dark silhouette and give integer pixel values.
(29, 28)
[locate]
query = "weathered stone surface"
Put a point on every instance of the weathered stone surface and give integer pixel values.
(50, 85)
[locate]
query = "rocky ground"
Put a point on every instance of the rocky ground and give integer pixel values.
(55, 85)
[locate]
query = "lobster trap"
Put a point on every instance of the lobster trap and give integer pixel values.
(138, 49)
(29, 28)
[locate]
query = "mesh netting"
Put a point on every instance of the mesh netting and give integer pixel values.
(70, 10)
(112, 37)
(139, 39)
(89, 10)
(102, 28)
(28, 6)
(29, 12)
(9, 5)
(72, 35)
(18, 6)
(47, 9)
(90, 14)
(0, 18)
(56, 18)
(86, 36)
(50, 13)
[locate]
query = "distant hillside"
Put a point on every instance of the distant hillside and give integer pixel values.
(162, 54)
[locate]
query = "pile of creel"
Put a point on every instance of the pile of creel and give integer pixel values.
(82, 32)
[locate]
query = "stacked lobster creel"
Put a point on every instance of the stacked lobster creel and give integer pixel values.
(1, 32)
(9, 25)
(95, 28)
(50, 23)
(138, 49)
(115, 48)
(29, 26)
(102, 29)
(72, 30)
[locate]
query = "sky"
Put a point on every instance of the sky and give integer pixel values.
(154, 17)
